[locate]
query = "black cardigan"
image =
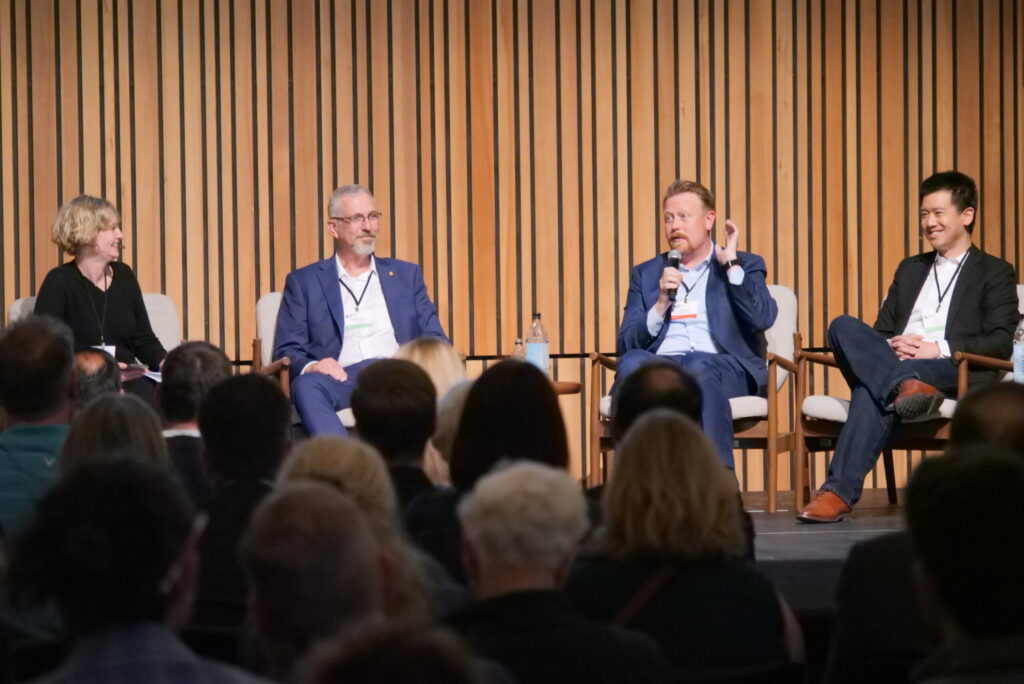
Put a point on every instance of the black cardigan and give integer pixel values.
(68, 295)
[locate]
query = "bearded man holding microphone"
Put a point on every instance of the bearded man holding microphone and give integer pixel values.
(703, 306)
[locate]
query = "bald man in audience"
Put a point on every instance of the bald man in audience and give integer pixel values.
(96, 374)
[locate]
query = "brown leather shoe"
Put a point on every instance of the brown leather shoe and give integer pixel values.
(826, 507)
(917, 400)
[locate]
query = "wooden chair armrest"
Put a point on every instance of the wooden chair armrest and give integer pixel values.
(983, 361)
(276, 367)
(598, 359)
(964, 360)
(817, 357)
(782, 361)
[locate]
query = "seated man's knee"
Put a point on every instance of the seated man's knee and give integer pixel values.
(632, 360)
(841, 324)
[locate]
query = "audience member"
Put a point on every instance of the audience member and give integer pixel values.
(439, 448)
(668, 560)
(314, 567)
(395, 406)
(96, 374)
(655, 384)
(112, 545)
(188, 373)
(964, 517)
(392, 653)
(113, 426)
(521, 527)
(880, 631)
(420, 586)
(438, 359)
(36, 381)
(511, 413)
(244, 424)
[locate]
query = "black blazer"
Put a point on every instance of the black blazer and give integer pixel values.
(982, 311)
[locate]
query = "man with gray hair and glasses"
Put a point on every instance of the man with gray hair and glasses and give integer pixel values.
(339, 314)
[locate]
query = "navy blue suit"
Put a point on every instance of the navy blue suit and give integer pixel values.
(311, 324)
(738, 315)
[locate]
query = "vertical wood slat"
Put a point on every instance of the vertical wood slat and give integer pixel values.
(518, 147)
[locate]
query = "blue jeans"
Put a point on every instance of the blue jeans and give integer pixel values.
(874, 373)
(720, 377)
(319, 397)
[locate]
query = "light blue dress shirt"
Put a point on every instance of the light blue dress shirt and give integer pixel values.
(691, 334)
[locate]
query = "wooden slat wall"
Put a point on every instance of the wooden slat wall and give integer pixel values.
(518, 147)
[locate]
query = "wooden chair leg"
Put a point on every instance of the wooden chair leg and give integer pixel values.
(890, 476)
(773, 475)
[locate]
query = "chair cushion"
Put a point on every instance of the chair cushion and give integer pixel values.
(742, 407)
(824, 407)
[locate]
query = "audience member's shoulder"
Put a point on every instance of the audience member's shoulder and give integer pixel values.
(432, 509)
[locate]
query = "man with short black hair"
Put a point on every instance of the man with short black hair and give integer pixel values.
(36, 384)
(114, 546)
(656, 384)
(189, 371)
(955, 298)
(96, 374)
(395, 406)
(965, 517)
(244, 424)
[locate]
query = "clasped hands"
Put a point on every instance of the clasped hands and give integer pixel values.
(913, 347)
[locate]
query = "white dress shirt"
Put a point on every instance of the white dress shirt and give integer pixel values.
(928, 318)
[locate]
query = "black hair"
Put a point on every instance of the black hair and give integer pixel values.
(395, 406)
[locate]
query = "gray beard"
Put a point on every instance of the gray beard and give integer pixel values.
(364, 248)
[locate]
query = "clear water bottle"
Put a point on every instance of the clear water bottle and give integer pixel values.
(537, 345)
(1018, 353)
(518, 351)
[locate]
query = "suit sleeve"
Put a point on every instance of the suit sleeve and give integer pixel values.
(999, 315)
(885, 324)
(752, 302)
(291, 336)
(426, 313)
(633, 333)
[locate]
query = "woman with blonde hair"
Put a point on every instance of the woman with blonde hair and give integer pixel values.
(97, 295)
(419, 588)
(669, 558)
(438, 358)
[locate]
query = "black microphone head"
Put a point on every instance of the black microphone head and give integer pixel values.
(674, 258)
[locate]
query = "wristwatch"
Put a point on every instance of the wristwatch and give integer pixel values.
(731, 262)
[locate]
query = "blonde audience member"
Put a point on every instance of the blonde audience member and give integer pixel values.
(358, 470)
(438, 358)
(110, 425)
(439, 448)
(671, 520)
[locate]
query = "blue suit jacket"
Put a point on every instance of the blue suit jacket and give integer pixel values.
(311, 322)
(738, 315)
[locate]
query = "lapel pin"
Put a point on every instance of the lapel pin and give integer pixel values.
(391, 273)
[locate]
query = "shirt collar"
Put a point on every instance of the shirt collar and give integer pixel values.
(705, 262)
(941, 260)
(342, 273)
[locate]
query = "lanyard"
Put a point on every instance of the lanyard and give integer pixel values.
(942, 293)
(358, 300)
(690, 288)
(100, 320)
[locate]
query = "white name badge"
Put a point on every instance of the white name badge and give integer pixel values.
(934, 324)
(109, 348)
(358, 322)
(685, 311)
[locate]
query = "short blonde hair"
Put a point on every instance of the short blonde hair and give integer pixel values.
(114, 426)
(80, 219)
(449, 413)
(438, 358)
(358, 470)
(669, 497)
(680, 187)
(353, 467)
(524, 515)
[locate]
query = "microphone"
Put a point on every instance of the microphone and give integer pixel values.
(673, 262)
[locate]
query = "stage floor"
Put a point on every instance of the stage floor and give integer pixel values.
(805, 561)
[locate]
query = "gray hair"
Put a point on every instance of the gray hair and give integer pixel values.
(343, 191)
(524, 515)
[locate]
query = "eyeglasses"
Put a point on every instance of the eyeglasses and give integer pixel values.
(358, 220)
